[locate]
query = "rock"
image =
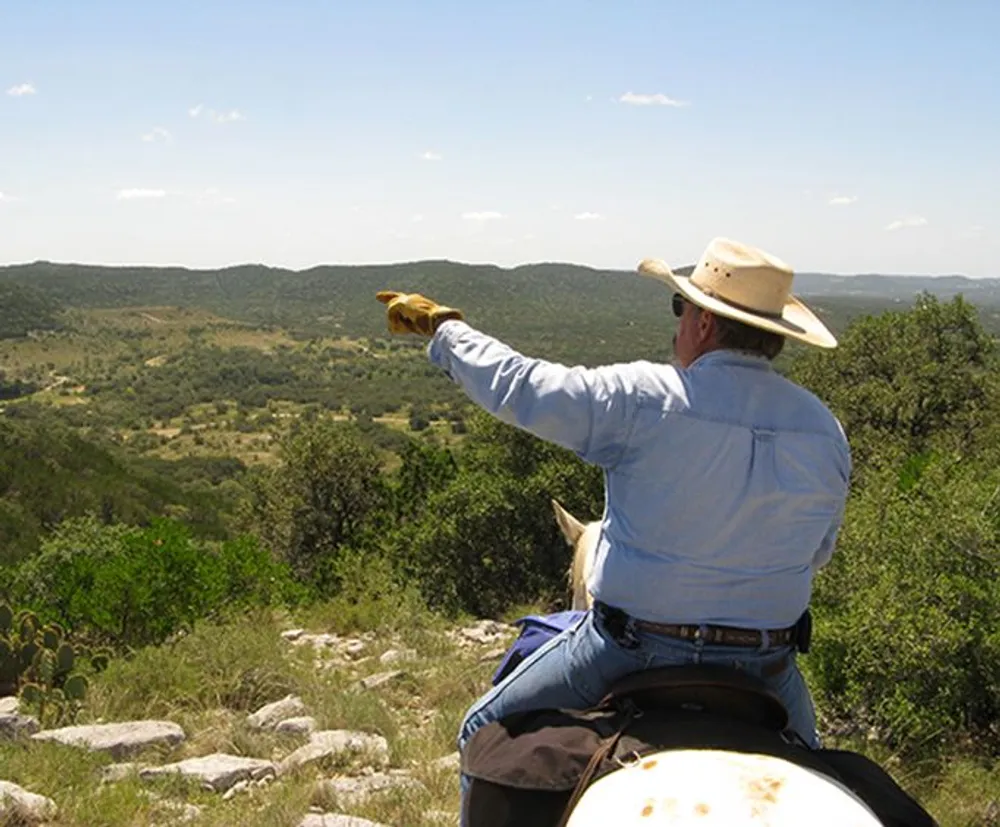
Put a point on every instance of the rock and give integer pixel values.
(349, 791)
(236, 789)
(118, 772)
(452, 762)
(177, 811)
(354, 647)
(373, 681)
(14, 726)
(121, 739)
(270, 715)
(17, 805)
(493, 654)
(485, 632)
(296, 726)
(292, 635)
(335, 742)
(391, 656)
(336, 820)
(9, 705)
(218, 771)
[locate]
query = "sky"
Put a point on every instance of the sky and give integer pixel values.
(843, 137)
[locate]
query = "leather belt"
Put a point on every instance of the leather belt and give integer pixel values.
(714, 635)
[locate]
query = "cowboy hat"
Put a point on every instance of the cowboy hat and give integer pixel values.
(746, 284)
(715, 788)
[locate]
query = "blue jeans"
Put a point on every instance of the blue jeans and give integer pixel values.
(575, 669)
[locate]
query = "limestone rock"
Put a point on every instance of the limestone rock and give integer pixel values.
(334, 742)
(379, 679)
(9, 705)
(451, 762)
(270, 715)
(336, 820)
(391, 656)
(297, 726)
(120, 739)
(17, 805)
(14, 726)
(349, 791)
(218, 771)
(118, 772)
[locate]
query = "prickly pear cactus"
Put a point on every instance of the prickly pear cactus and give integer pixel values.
(38, 663)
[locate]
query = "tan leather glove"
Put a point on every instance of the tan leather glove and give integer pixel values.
(413, 313)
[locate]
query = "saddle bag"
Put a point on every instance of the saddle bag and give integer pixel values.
(527, 770)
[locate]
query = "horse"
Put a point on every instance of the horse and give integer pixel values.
(582, 538)
(686, 745)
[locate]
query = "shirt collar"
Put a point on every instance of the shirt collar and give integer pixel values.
(732, 357)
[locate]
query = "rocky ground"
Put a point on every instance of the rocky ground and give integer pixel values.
(281, 754)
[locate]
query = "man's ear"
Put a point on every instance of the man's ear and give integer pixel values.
(706, 326)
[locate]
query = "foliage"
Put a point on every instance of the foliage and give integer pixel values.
(50, 473)
(24, 309)
(132, 587)
(905, 382)
(318, 499)
(908, 614)
(39, 663)
(487, 539)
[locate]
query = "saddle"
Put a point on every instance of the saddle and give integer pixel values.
(529, 769)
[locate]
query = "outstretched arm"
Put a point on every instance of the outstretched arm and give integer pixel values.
(587, 410)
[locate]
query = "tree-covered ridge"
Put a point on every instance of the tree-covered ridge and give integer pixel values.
(561, 311)
(24, 308)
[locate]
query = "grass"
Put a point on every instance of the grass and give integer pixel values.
(208, 680)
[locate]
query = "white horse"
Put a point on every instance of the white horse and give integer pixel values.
(582, 538)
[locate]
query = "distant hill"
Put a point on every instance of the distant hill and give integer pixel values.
(565, 309)
(24, 308)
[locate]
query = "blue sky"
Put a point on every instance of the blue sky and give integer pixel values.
(841, 136)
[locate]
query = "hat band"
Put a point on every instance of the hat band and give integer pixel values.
(745, 308)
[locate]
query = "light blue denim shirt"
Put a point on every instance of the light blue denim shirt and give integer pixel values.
(725, 482)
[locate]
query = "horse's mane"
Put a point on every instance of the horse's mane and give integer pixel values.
(582, 537)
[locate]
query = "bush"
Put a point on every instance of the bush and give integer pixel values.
(137, 586)
(908, 613)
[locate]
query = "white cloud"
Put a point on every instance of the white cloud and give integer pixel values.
(417, 218)
(138, 193)
(431, 156)
(588, 216)
(909, 221)
(22, 89)
(650, 100)
(842, 200)
(157, 133)
(217, 117)
(6, 196)
(481, 216)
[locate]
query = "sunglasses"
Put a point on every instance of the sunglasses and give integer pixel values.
(678, 305)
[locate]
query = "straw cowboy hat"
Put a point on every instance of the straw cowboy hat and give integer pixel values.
(714, 788)
(746, 284)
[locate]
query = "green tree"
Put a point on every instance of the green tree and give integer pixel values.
(906, 382)
(319, 498)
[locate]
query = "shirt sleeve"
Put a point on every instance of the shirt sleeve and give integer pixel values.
(590, 411)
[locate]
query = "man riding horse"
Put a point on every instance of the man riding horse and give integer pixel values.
(725, 485)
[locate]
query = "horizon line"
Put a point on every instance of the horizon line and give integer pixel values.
(448, 261)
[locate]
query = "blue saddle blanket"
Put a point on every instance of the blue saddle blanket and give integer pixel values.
(535, 630)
